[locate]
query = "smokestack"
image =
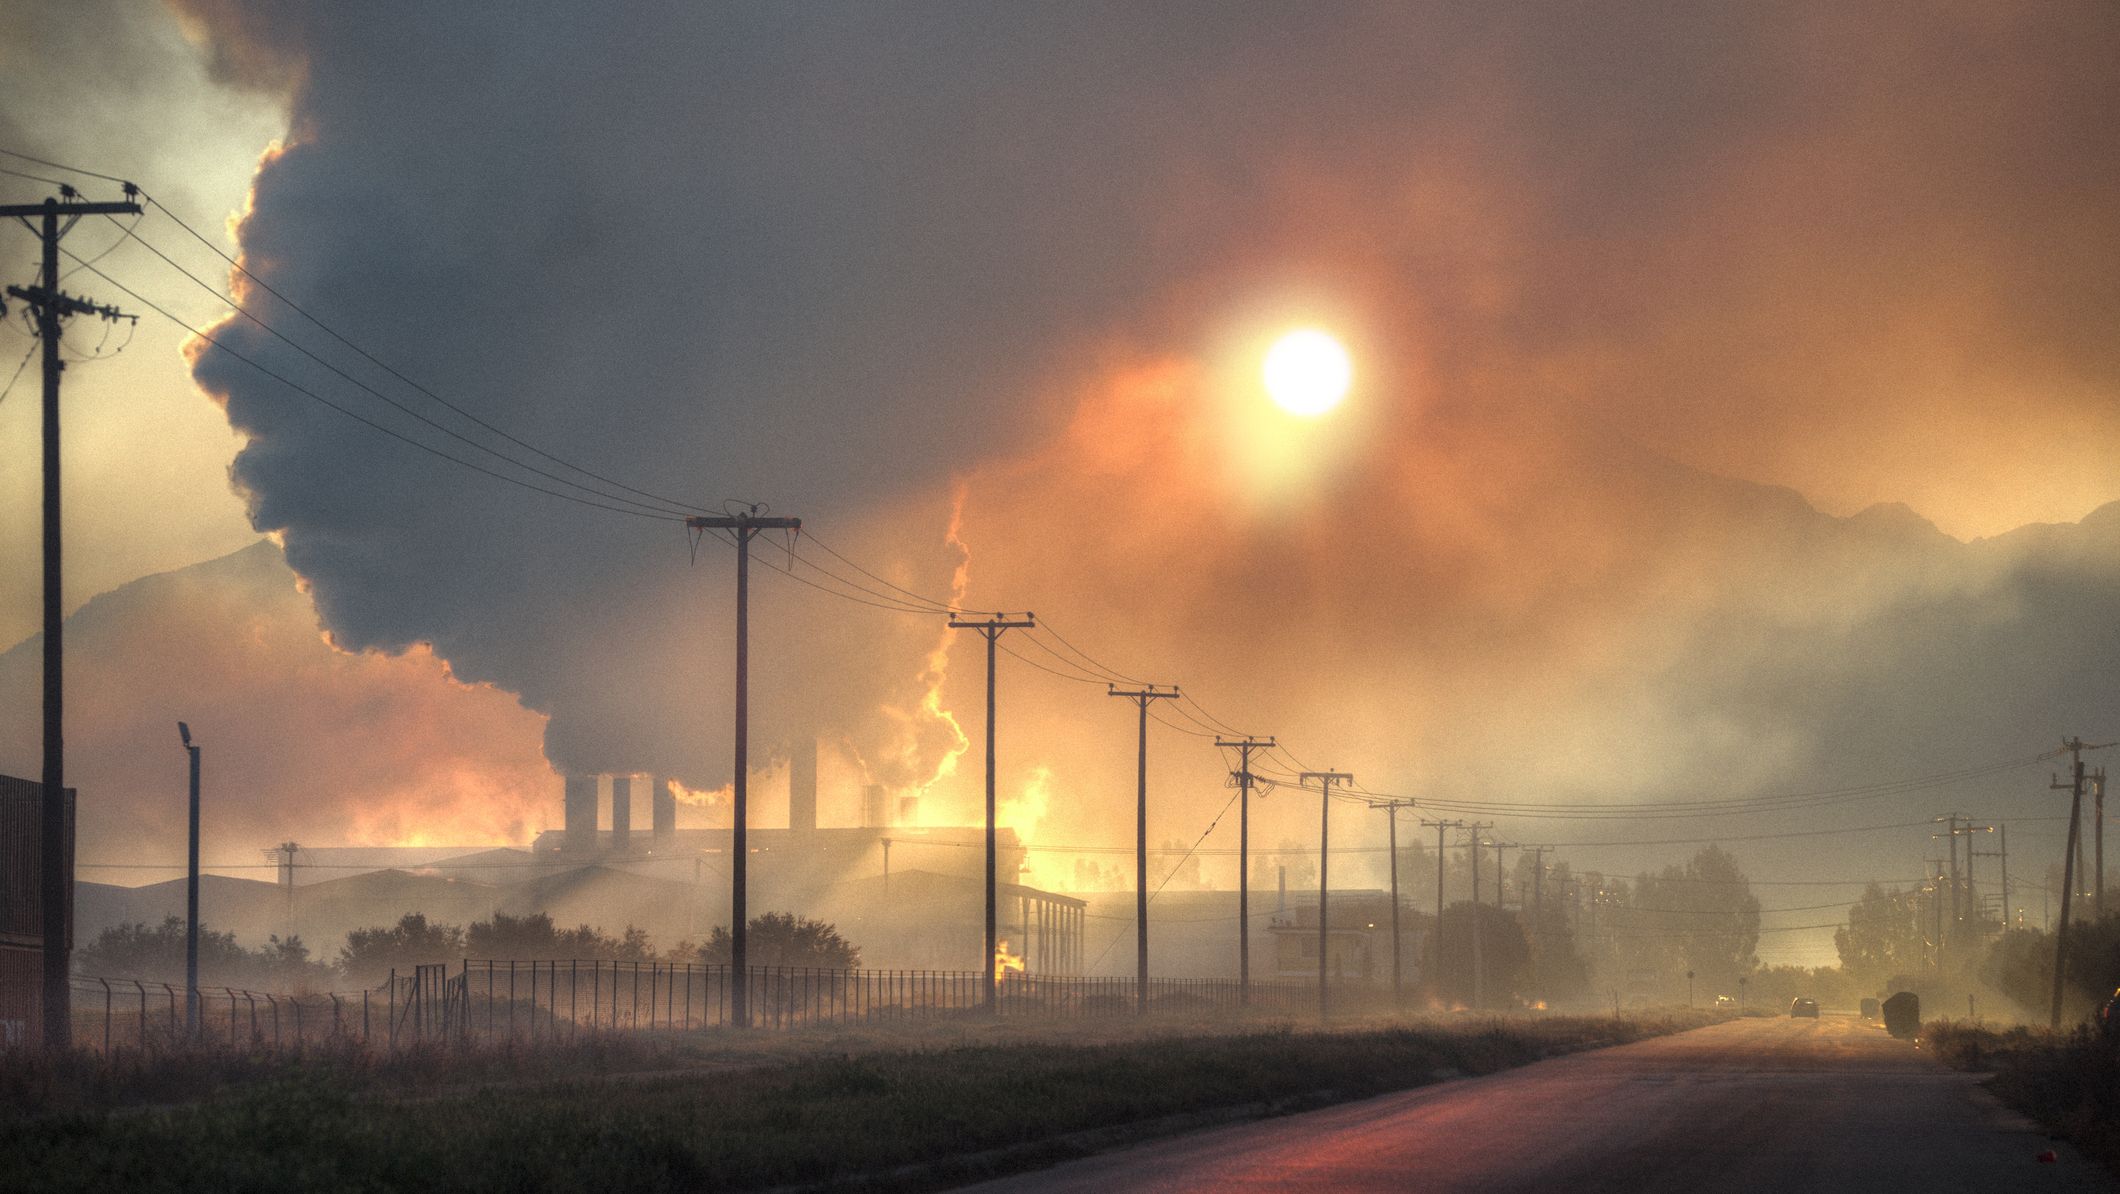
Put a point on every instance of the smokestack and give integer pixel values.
(802, 785)
(664, 806)
(581, 813)
(621, 811)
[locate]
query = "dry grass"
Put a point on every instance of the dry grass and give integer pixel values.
(748, 1113)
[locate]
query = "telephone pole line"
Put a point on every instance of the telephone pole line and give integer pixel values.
(991, 629)
(743, 527)
(2075, 747)
(1142, 698)
(1391, 814)
(55, 844)
(1325, 781)
(1244, 747)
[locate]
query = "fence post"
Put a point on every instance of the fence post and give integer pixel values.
(391, 1011)
(143, 1014)
(274, 1004)
(106, 1015)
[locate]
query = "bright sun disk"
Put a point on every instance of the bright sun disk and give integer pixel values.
(1307, 372)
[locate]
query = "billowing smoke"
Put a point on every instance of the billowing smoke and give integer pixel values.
(842, 257)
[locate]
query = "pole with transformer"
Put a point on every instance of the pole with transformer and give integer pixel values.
(55, 844)
(1244, 747)
(1325, 781)
(1142, 699)
(743, 526)
(991, 629)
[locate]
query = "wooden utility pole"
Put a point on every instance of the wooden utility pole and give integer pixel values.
(991, 630)
(2075, 747)
(743, 527)
(1391, 815)
(1538, 887)
(54, 220)
(1499, 869)
(1472, 847)
(1142, 698)
(1244, 782)
(1325, 781)
(2098, 850)
(1435, 971)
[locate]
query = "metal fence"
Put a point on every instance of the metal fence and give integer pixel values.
(119, 1016)
(539, 1000)
(501, 1002)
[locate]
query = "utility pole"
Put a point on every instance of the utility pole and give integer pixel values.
(1391, 813)
(1142, 698)
(1538, 888)
(1325, 781)
(991, 630)
(1479, 977)
(191, 896)
(2003, 832)
(2098, 850)
(1436, 970)
(1244, 747)
(55, 844)
(2075, 747)
(743, 526)
(1499, 846)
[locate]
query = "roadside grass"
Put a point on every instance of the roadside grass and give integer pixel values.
(872, 1113)
(2067, 1082)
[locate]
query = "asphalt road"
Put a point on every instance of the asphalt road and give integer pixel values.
(1780, 1105)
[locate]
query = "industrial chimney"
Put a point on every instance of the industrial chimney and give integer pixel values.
(621, 812)
(581, 813)
(664, 806)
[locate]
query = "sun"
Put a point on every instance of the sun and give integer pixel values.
(1307, 372)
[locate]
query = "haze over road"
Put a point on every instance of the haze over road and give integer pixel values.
(1777, 1105)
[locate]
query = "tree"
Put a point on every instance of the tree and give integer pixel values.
(1503, 952)
(156, 955)
(1700, 917)
(371, 954)
(784, 939)
(535, 938)
(1882, 937)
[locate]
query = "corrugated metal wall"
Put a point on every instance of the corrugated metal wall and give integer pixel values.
(22, 906)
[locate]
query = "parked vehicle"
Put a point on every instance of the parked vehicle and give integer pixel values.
(1804, 1005)
(1902, 1015)
(1725, 1003)
(2109, 1017)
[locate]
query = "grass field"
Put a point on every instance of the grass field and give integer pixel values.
(912, 1109)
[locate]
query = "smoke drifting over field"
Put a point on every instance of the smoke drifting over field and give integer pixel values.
(1590, 261)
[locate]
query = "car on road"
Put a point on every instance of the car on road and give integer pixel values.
(1804, 1005)
(1724, 1003)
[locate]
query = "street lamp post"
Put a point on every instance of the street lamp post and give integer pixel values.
(191, 895)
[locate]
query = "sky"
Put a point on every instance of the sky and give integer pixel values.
(1709, 363)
